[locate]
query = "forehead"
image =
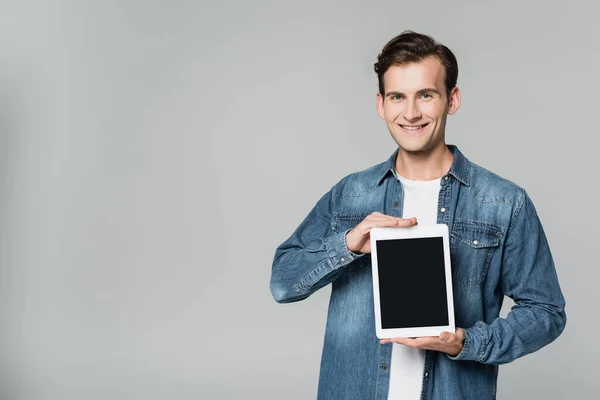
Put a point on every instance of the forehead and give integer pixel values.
(411, 77)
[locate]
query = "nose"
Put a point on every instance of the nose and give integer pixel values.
(412, 113)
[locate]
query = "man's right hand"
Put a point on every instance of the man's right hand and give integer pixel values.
(358, 240)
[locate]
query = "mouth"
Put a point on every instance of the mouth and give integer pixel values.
(413, 128)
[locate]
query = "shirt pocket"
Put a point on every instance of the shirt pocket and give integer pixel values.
(472, 245)
(341, 222)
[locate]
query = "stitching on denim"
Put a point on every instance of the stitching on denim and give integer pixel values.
(339, 218)
(343, 216)
(359, 194)
(296, 287)
(491, 241)
(478, 225)
(331, 254)
(481, 200)
(487, 244)
(467, 343)
(518, 208)
(303, 285)
(484, 343)
(480, 278)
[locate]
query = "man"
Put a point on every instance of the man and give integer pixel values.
(498, 248)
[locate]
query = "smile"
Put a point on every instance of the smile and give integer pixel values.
(413, 128)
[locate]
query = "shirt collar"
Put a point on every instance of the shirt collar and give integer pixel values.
(459, 168)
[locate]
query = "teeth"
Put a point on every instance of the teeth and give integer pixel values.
(412, 128)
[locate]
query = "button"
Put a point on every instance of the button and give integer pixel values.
(443, 209)
(426, 374)
(383, 367)
(475, 242)
(342, 259)
(446, 178)
(395, 204)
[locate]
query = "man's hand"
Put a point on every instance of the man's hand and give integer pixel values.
(358, 240)
(450, 343)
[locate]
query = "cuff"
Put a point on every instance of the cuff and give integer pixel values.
(338, 252)
(472, 346)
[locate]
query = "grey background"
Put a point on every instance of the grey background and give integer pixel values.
(154, 154)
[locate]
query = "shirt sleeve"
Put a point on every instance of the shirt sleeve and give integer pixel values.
(312, 257)
(529, 278)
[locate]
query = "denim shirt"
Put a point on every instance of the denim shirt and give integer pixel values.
(497, 246)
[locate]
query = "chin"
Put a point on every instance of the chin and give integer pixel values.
(418, 146)
(414, 150)
(413, 147)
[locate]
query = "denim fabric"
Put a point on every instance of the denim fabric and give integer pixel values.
(498, 247)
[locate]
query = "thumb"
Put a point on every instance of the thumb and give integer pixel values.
(446, 336)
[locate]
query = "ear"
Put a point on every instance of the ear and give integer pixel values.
(380, 105)
(454, 100)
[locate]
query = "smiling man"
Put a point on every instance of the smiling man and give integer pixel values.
(498, 248)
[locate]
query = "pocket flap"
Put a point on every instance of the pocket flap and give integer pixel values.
(476, 234)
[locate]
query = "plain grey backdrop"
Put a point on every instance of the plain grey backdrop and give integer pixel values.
(154, 154)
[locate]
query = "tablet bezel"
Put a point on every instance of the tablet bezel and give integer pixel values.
(417, 231)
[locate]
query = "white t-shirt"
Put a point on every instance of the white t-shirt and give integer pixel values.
(420, 199)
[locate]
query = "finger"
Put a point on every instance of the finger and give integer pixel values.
(378, 216)
(381, 219)
(419, 342)
(445, 336)
(405, 341)
(408, 222)
(379, 223)
(448, 337)
(384, 223)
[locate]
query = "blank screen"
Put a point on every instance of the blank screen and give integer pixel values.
(412, 282)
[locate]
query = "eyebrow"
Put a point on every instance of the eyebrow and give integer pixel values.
(419, 92)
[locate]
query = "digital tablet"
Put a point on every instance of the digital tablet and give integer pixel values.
(412, 281)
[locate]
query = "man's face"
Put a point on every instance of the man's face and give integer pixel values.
(415, 104)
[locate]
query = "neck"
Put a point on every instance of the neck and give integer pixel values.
(424, 166)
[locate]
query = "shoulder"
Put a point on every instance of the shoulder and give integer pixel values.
(489, 187)
(359, 183)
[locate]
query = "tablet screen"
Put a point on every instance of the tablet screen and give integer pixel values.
(412, 282)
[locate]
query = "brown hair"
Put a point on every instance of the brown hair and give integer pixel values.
(409, 47)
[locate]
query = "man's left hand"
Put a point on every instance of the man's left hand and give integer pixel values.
(447, 342)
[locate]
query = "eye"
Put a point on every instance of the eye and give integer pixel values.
(426, 96)
(395, 97)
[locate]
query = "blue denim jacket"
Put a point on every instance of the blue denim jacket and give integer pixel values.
(497, 246)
